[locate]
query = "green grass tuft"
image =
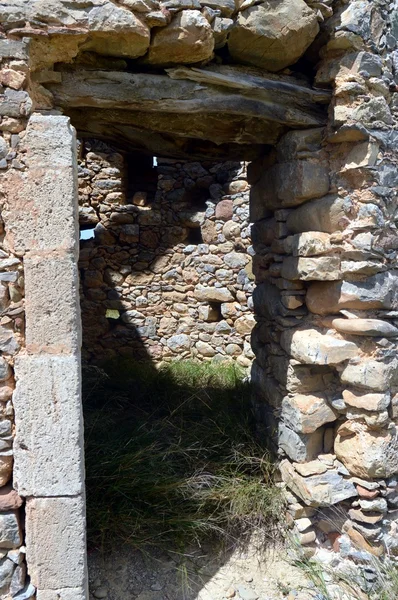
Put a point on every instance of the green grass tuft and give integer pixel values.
(171, 456)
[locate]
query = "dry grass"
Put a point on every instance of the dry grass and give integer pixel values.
(171, 456)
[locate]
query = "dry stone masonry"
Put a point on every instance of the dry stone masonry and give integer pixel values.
(168, 273)
(294, 99)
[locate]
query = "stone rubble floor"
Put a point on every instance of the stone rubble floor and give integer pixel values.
(201, 574)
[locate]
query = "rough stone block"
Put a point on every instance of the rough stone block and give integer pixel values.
(10, 530)
(292, 183)
(309, 269)
(300, 447)
(173, 44)
(267, 300)
(372, 374)
(213, 294)
(294, 143)
(377, 291)
(273, 35)
(49, 433)
(301, 180)
(56, 543)
(14, 49)
(329, 214)
(52, 304)
(310, 346)
(43, 214)
(310, 243)
(365, 327)
(367, 453)
(318, 490)
(306, 413)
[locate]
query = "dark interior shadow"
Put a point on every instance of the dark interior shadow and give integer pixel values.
(174, 472)
(162, 448)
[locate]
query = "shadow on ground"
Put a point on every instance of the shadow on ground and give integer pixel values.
(176, 481)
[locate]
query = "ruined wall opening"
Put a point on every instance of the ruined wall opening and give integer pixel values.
(167, 279)
(192, 84)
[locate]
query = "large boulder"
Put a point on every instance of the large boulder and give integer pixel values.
(115, 31)
(274, 34)
(187, 39)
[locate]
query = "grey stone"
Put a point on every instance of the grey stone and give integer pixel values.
(322, 268)
(55, 537)
(7, 568)
(5, 370)
(371, 374)
(300, 447)
(365, 327)
(377, 291)
(247, 593)
(267, 300)
(172, 44)
(292, 183)
(310, 346)
(235, 260)
(371, 63)
(3, 148)
(326, 489)
(47, 187)
(376, 109)
(180, 342)
(213, 294)
(306, 413)
(28, 592)
(328, 214)
(10, 529)
(366, 453)
(273, 35)
(227, 7)
(49, 428)
(376, 505)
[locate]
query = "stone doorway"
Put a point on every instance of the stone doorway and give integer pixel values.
(323, 204)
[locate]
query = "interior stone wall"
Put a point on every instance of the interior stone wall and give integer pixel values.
(325, 235)
(168, 272)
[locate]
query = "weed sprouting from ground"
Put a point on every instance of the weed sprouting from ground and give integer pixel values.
(171, 456)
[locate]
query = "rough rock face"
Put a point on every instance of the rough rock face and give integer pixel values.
(187, 39)
(366, 453)
(278, 31)
(273, 34)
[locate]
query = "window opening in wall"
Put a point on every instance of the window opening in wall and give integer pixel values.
(142, 178)
(195, 236)
(87, 234)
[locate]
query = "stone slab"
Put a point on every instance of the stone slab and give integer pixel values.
(64, 594)
(56, 543)
(43, 213)
(48, 447)
(52, 306)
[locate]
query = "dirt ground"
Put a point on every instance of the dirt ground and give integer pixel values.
(199, 574)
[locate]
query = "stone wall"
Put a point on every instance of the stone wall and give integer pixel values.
(168, 273)
(326, 370)
(323, 203)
